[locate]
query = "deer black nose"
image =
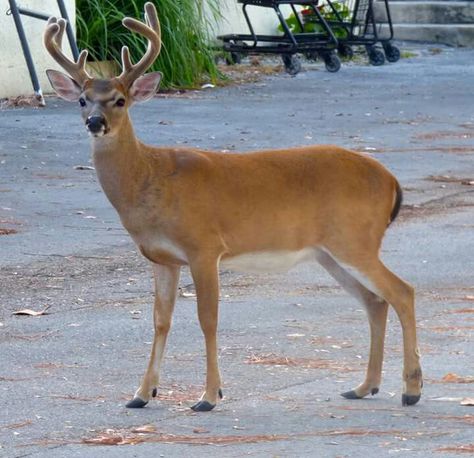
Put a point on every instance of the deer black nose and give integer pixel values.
(95, 123)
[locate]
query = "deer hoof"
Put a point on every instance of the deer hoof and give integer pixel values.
(374, 391)
(410, 399)
(136, 403)
(350, 395)
(220, 394)
(203, 406)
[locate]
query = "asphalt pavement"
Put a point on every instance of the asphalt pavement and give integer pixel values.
(289, 344)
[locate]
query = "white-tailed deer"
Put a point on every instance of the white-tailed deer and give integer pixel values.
(266, 210)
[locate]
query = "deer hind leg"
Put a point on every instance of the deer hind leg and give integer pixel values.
(402, 298)
(206, 280)
(400, 295)
(166, 285)
(376, 308)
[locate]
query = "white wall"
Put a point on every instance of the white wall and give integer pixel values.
(264, 20)
(14, 76)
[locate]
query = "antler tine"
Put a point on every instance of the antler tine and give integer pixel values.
(151, 17)
(52, 38)
(126, 62)
(151, 30)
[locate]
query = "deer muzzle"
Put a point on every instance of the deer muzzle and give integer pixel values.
(96, 125)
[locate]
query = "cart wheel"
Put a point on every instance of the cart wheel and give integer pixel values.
(292, 64)
(392, 53)
(376, 57)
(332, 62)
(345, 51)
(233, 58)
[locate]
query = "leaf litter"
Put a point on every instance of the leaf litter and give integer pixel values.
(150, 434)
(271, 359)
(468, 448)
(455, 378)
(4, 231)
(17, 425)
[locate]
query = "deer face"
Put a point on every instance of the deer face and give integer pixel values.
(104, 103)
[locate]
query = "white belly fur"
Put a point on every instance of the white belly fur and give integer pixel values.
(268, 261)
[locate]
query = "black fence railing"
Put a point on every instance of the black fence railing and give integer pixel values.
(16, 12)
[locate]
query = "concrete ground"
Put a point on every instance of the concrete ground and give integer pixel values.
(289, 344)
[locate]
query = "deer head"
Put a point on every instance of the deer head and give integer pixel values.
(104, 102)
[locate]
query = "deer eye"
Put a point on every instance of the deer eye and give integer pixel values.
(120, 102)
(82, 102)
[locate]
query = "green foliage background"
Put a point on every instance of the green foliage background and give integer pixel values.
(186, 58)
(311, 22)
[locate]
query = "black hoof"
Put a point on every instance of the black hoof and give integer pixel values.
(154, 393)
(374, 391)
(350, 395)
(136, 403)
(220, 394)
(203, 406)
(410, 399)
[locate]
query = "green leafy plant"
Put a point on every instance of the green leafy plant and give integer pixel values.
(186, 58)
(311, 22)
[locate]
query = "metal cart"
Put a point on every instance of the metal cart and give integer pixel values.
(322, 43)
(354, 22)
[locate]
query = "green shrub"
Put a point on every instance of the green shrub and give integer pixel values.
(186, 58)
(311, 21)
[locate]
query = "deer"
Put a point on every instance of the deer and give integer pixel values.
(257, 211)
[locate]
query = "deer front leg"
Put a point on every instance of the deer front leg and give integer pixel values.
(166, 285)
(206, 281)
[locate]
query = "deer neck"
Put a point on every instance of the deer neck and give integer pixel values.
(118, 162)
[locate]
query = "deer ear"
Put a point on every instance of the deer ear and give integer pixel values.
(64, 85)
(145, 87)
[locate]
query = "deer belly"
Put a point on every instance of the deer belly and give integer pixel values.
(267, 261)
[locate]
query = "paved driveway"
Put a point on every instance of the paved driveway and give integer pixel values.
(289, 344)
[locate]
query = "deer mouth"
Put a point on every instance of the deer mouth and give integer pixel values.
(98, 133)
(96, 126)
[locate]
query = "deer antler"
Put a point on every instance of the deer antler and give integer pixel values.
(152, 31)
(52, 38)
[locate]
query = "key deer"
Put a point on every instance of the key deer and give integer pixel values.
(266, 210)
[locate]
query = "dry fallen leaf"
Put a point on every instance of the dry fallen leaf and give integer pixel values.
(466, 310)
(4, 231)
(455, 378)
(467, 402)
(30, 312)
(105, 440)
(19, 425)
(469, 448)
(144, 429)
